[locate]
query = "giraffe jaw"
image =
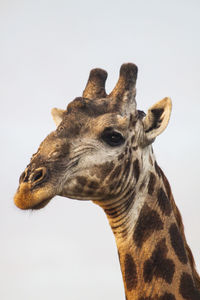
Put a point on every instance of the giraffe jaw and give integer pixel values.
(27, 198)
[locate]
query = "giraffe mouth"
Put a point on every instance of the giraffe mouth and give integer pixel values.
(40, 205)
(25, 198)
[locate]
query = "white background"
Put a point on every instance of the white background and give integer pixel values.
(47, 48)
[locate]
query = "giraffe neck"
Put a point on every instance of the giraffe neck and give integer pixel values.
(153, 253)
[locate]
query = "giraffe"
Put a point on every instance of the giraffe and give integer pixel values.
(102, 151)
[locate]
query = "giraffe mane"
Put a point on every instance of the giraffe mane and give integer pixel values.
(179, 221)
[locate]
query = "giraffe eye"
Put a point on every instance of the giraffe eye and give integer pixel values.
(112, 138)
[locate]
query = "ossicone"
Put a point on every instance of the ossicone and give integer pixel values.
(126, 82)
(95, 88)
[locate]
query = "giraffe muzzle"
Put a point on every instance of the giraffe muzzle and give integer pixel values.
(34, 191)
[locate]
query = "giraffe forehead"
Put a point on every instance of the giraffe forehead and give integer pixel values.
(115, 121)
(76, 123)
(91, 108)
(83, 114)
(98, 107)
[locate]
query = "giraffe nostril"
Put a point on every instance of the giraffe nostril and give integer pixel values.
(22, 177)
(38, 175)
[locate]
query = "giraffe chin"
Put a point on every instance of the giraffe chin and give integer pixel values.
(27, 198)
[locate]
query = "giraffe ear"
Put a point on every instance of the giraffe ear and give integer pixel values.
(57, 115)
(156, 120)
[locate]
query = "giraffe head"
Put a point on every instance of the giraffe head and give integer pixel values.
(95, 135)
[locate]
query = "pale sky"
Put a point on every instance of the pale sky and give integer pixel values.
(47, 48)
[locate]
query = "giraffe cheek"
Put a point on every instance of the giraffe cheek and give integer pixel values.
(82, 188)
(88, 187)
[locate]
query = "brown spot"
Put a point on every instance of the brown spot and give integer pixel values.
(112, 187)
(79, 189)
(157, 168)
(130, 272)
(135, 148)
(136, 169)
(131, 119)
(93, 184)
(90, 192)
(164, 202)
(158, 265)
(81, 180)
(127, 168)
(187, 288)
(165, 296)
(142, 185)
(150, 160)
(119, 178)
(121, 156)
(116, 172)
(151, 184)
(177, 243)
(105, 169)
(132, 139)
(166, 184)
(148, 222)
(119, 182)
